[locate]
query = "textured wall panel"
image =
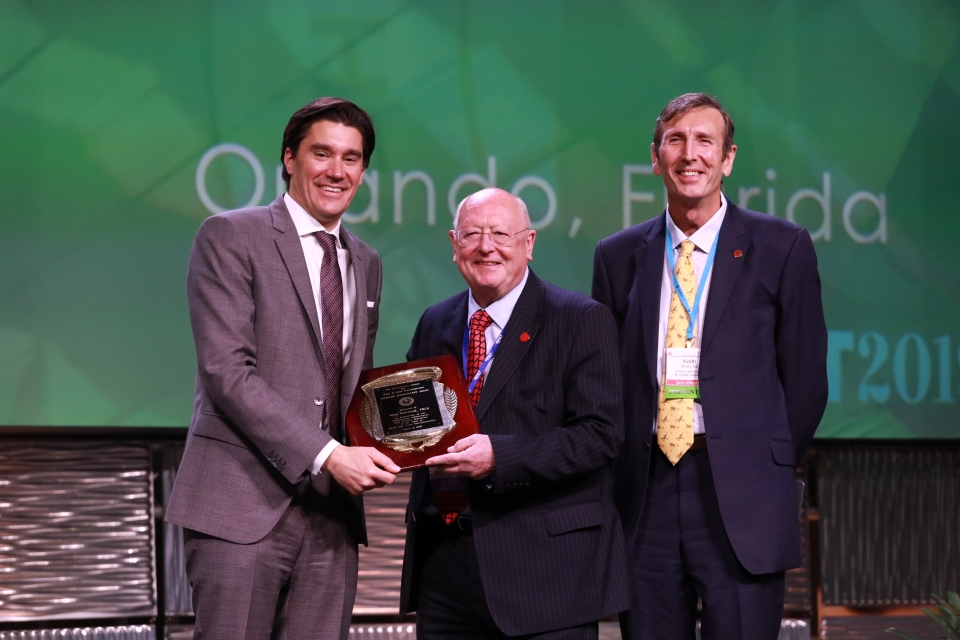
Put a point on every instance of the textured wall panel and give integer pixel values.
(378, 584)
(76, 530)
(789, 630)
(873, 628)
(890, 525)
(383, 632)
(177, 591)
(799, 589)
(134, 632)
(794, 630)
(179, 632)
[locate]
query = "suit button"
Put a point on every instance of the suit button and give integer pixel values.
(318, 401)
(646, 446)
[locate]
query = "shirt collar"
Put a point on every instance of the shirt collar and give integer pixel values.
(704, 236)
(501, 310)
(305, 223)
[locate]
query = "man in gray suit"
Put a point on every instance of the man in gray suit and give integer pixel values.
(284, 304)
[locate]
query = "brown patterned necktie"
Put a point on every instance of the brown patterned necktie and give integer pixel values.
(331, 305)
(675, 416)
(450, 503)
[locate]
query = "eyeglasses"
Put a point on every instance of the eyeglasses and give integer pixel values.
(470, 238)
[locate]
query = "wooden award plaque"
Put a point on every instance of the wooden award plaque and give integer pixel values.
(411, 411)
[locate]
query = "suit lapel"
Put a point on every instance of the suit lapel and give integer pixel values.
(524, 319)
(451, 338)
(358, 264)
(726, 268)
(647, 286)
(292, 253)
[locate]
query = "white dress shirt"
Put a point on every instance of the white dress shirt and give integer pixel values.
(500, 312)
(702, 239)
(306, 226)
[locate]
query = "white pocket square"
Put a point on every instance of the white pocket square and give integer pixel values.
(370, 304)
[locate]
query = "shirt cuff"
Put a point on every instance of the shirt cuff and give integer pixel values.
(321, 458)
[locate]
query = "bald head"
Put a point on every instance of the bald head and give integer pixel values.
(492, 243)
(484, 195)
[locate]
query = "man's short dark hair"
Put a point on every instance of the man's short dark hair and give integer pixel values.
(332, 110)
(681, 106)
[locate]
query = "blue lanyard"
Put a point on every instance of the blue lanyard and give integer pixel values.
(672, 259)
(486, 361)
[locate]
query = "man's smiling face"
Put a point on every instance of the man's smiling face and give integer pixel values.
(691, 159)
(489, 269)
(326, 170)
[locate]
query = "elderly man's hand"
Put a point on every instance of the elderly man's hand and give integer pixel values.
(471, 456)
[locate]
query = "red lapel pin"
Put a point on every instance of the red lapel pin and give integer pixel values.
(524, 336)
(738, 254)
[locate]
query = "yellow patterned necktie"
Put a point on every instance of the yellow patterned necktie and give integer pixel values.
(675, 416)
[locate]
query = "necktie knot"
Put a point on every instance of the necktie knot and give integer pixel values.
(327, 241)
(686, 248)
(480, 321)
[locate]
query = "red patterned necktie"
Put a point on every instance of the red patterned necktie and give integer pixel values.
(331, 305)
(450, 503)
(477, 350)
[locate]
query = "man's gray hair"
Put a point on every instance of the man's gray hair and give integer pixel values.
(520, 203)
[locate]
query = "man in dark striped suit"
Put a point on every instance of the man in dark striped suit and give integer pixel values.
(513, 531)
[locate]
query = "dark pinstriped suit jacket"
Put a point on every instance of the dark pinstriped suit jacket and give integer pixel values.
(256, 418)
(548, 538)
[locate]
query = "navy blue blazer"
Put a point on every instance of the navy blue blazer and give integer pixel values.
(549, 542)
(763, 379)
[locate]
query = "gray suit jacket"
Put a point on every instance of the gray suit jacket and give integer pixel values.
(260, 376)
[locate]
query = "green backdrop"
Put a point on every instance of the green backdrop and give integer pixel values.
(124, 124)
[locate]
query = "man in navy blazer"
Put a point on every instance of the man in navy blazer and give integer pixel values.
(720, 525)
(538, 549)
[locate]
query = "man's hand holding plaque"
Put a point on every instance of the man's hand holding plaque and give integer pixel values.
(360, 469)
(471, 456)
(415, 411)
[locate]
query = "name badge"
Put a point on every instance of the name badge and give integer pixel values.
(682, 373)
